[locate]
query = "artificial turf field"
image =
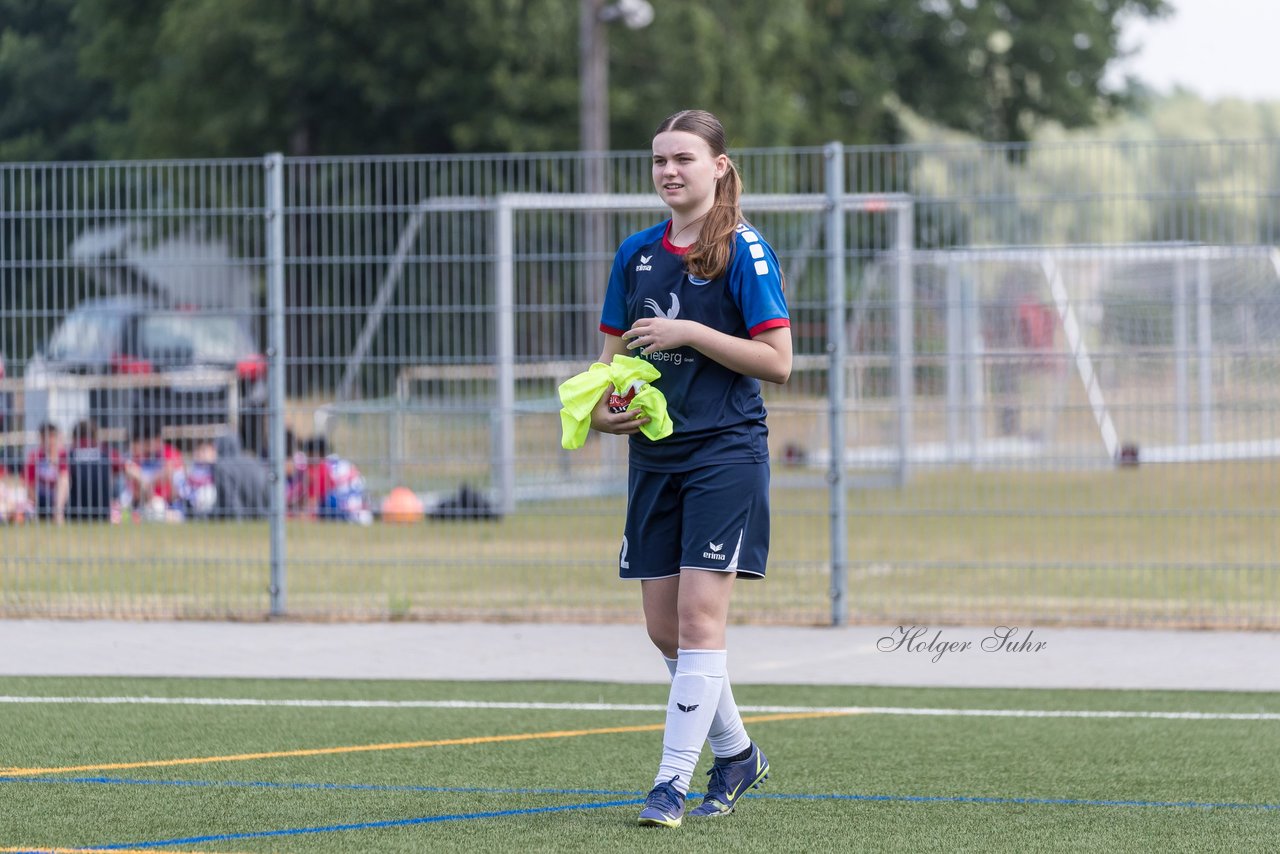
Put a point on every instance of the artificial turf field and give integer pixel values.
(294, 765)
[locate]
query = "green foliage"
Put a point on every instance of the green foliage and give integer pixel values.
(161, 78)
(48, 110)
(999, 69)
(237, 77)
(1171, 168)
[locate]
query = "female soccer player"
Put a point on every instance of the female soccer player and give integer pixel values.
(701, 297)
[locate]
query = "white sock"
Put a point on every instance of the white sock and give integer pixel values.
(728, 737)
(695, 693)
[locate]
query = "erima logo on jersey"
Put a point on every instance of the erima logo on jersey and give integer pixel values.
(644, 265)
(682, 707)
(716, 553)
(670, 314)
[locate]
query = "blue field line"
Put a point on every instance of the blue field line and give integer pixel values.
(365, 825)
(483, 790)
(336, 787)
(979, 799)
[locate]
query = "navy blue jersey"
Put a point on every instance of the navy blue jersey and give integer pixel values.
(717, 413)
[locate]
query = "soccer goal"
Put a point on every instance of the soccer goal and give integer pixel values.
(548, 264)
(1095, 354)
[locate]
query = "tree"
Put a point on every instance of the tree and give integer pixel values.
(804, 73)
(999, 69)
(239, 77)
(48, 111)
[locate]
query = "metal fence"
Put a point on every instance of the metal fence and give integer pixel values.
(1033, 384)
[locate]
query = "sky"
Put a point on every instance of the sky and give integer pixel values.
(1216, 48)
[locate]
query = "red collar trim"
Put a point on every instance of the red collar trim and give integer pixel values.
(671, 247)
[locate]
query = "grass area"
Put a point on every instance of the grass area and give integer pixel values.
(186, 777)
(1192, 545)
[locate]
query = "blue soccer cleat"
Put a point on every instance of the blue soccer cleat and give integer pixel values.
(664, 807)
(730, 781)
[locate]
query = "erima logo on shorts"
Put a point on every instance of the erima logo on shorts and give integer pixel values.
(644, 265)
(716, 553)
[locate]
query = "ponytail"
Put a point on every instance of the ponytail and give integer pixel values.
(709, 256)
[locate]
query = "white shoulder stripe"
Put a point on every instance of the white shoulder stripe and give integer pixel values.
(762, 268)
(757, 250)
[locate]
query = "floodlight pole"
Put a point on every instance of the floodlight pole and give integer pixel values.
(593, 142)
(593, 52)
(837, 354)
(594, 17)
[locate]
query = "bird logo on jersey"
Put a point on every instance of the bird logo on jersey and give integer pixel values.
(672, 314)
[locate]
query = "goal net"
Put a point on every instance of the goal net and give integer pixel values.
(1078, 355)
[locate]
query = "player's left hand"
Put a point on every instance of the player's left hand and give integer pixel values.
(650, 334)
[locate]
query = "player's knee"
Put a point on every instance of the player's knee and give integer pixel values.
(666, 638)
(700, 630)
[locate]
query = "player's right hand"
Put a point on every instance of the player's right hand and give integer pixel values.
(618, 423)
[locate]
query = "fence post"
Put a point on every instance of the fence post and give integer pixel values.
(505, 355)
(1204, 345)
(954, 313)
(273, 165)
(837, 354)
(905, 299)
(1181, 357)
(974, 376)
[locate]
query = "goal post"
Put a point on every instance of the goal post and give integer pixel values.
(1160, 346)
(835, 205)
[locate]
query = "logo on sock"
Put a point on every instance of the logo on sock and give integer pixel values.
(682, 707)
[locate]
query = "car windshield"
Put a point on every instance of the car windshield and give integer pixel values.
(86, 336)
(89, 336)
(209, 338)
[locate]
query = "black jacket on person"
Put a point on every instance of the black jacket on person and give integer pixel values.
(244, 491)
(91, 484)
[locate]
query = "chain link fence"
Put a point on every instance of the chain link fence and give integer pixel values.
(1033, 384)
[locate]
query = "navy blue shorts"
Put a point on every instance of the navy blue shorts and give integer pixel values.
(715, 517)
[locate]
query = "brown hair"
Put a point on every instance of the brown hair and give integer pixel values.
(85, 432)
(709, 256)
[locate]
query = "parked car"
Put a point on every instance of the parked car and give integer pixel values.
(177, 366)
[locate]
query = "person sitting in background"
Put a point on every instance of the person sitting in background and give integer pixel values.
(195, 485)
(241, 482)
(95, 469)
(14, 506)
(153, 464)
(47, 476)
(333, 488)
(295, 476)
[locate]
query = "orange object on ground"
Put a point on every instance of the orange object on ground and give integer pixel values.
(401, 505)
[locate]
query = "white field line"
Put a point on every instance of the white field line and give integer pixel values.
(642, 707)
